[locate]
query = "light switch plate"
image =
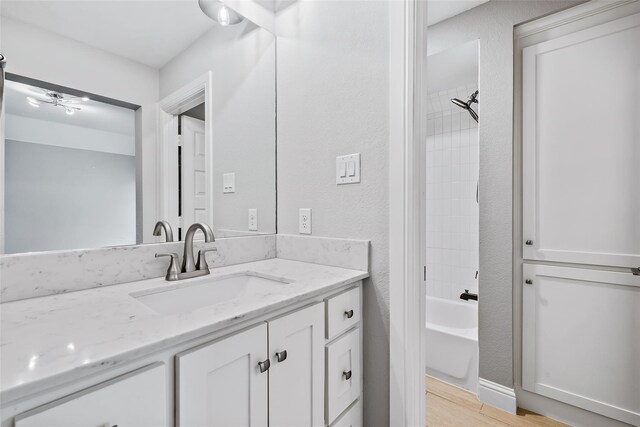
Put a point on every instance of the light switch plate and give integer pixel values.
(304, 221)
(348, 169)
(229, 182)
(253, 219)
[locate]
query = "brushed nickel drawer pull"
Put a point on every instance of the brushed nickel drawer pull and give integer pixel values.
(264, 366)
(281, 356)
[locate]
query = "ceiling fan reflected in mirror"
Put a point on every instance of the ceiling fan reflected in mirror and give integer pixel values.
(58, 99)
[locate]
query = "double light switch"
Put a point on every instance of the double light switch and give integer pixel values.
(348, 169)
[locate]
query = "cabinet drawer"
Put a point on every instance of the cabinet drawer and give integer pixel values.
(136, 399)
(352, 417)
(343, 374)
(343, 311)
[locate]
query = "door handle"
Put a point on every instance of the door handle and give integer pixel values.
(264, 366)
(281, 356)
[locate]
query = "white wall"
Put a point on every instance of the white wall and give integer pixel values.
(492, 23)
(67, 198)
(333, 80)
(451, 207)
(242, 60)
(42, 55)
(28, 129)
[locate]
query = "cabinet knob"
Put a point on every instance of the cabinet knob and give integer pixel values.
(281, 356)
(529, 243)
(348, 314)
(346, 375)
(264, 366)
(529, 282)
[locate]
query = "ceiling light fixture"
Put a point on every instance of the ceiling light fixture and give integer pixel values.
(57, 99)
(220, 12)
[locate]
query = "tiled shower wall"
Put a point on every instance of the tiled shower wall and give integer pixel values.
(452, 210)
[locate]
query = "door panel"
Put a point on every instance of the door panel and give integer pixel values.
(581, 126)
(296, 384)
(581, 338)
(220, 384)
(196, 191)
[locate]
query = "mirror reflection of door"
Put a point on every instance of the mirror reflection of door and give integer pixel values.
(194, 192)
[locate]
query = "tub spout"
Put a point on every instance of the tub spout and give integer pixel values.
(467, 296)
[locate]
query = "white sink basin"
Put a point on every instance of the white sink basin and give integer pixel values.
(204, 292)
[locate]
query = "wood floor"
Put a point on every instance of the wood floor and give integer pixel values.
(450, 406)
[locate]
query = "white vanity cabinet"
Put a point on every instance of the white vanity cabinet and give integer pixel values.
(296, 376)
(220, 384)
(232, 381)
(295, 366)
(137, 399)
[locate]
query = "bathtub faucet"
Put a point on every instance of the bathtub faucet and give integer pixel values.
(467, 296)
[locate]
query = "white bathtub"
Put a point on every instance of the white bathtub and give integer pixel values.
(452, 342)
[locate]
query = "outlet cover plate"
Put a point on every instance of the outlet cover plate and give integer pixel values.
(253, 219)
(304, 221)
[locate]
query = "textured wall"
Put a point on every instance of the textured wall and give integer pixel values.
(492, 23)
(333, 74)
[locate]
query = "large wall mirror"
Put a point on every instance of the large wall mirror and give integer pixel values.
(119, 114)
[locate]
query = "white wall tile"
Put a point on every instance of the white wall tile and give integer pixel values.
(452, 211)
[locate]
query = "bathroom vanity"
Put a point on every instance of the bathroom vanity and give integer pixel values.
(270, 342)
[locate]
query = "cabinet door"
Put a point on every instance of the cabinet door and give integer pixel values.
(581, 330)
(137, 399)
(220, 384)
(296, 382)
(580, 113)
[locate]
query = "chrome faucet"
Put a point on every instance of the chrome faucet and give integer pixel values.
(168, 231)
(189, 267)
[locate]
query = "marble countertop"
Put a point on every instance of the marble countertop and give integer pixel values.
(53, 339)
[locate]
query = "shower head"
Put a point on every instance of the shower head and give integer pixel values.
(473, 98)
(460, 103)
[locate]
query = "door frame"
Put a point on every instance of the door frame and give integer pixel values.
(407, 238)
(188, 96)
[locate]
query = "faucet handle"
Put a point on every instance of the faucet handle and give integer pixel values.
(202, 260)
(173, 271)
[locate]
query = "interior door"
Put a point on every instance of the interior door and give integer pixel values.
(195, 175)
(221, 384)
(296, 376)
(580, 131)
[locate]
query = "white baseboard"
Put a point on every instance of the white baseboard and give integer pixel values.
(497, 395)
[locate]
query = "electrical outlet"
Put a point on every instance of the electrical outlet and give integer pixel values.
(304, 222)
(253, 219)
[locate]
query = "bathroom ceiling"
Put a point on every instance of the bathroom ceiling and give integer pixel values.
(93, 114)
(439, 10)
(146, 31)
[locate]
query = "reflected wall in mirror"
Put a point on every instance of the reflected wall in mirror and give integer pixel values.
(70, 171)
(107, 162)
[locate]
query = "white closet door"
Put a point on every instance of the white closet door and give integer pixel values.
(581, 146)
(581, 338)
(196, 190)
(220, 384)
